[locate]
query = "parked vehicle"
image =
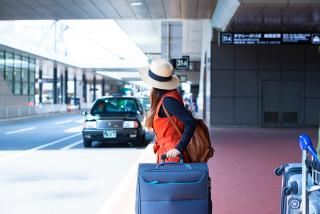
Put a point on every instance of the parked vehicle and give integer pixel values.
(114, 119)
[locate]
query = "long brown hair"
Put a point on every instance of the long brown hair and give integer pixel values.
(155, 97)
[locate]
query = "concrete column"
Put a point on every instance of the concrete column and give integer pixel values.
(66, 78)
(94, 87)
(61, 88)
(171, 39)
(54, 88)
(84, 88)
(103, 89)
(40, 85)
(75, 89)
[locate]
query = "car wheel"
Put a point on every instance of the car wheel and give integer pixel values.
(141, 141)
(87, 143)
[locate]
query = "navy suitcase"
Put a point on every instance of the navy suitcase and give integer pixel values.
(173, 188)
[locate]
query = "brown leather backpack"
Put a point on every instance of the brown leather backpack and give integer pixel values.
(200, 149)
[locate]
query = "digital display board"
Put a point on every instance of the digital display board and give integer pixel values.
(181, 64)
(269, 38)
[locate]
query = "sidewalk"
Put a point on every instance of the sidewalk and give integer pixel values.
(122, 199)
(241, 170)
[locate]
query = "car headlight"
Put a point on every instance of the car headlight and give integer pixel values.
(90, 124)
(130, 124)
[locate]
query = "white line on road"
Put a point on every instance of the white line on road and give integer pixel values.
(72, 145)
(63, 122)
(20, 130)
(26, 152)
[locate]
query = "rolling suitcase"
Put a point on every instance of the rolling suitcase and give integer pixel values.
(291, 188)
(173, 188)
(296, 178)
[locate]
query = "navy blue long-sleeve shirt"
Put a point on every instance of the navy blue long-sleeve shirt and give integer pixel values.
(177, 109)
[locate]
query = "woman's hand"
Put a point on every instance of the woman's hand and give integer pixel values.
(172, 153)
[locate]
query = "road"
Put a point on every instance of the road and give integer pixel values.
(44, 167)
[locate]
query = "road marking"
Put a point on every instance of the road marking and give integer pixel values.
(20, 130)
(72, 145)
(63, 122)
(76, 129)
(79, 121)
(114, 204)
(26, 152)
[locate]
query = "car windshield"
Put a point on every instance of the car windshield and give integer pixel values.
(114, 105)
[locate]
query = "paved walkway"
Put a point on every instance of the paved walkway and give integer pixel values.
(242, 168)
(241, 171)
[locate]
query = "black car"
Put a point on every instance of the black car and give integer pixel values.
(114, 119)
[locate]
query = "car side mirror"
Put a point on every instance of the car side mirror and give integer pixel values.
(84, 113)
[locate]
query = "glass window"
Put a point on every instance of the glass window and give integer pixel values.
(31, 88)
(8, 73)
(114, 105)
(32, 77)
(32, 64)
(25, 62)
(2, 63)
(17, 61)
(24, 75)
(24, 88)
(8, 66)
(9, 59)
(17, 88)
(17, 75)
(9, 83)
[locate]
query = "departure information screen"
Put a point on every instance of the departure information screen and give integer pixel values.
(269, 38)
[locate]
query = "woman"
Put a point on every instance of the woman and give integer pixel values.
(165, 96)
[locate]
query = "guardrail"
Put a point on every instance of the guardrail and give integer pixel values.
(25, 111)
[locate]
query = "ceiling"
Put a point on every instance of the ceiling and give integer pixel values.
(105, 9)
(147, 35)
(281, 16)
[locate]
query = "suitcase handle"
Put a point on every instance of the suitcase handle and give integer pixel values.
(164, 157)
(187, 166)
(306, 144)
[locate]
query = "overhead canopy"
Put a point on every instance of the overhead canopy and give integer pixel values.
(267, 15)
(106, 9)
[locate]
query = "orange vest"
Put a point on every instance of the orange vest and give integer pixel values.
(166, 136)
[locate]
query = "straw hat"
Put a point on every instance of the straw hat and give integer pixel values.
(160, 75)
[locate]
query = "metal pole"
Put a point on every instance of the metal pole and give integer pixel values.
(94, 87)
(84, 88)
(74, 90)
(305, 199)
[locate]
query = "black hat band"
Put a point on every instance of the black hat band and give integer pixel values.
(159, 78)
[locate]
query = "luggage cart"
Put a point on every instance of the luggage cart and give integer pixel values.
(310, 166)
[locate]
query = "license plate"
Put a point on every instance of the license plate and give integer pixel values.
(109, 134)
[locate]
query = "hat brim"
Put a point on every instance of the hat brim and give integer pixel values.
(172, 84)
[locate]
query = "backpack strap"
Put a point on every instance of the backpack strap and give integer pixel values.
(170, 119)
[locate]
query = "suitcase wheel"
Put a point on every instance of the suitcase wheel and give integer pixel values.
(279, 171)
